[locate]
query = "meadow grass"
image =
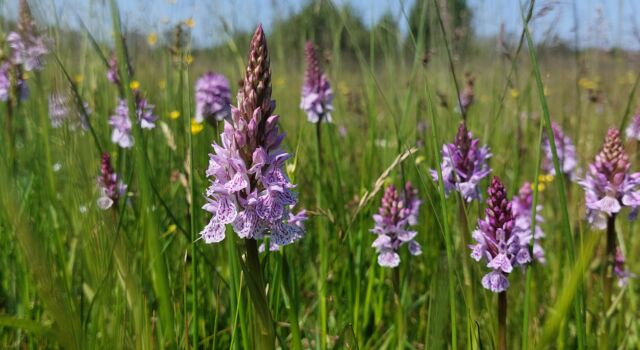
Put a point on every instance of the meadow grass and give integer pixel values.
(139, 276)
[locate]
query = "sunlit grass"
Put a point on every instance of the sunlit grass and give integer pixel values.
(78, 277)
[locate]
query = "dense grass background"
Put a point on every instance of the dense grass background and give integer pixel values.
(75, 276)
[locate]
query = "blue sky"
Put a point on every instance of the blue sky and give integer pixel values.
(601, 22)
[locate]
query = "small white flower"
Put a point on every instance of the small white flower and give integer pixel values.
(104, 203)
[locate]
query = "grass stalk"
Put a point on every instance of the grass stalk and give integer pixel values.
(148, 219)
(534, 213)
(464, 236)
(450, 59)
(46, 142)
(192, 208)
(8, 129)
(566, 225)
(445, 222)
(292, 291)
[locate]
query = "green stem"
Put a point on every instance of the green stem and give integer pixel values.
(445, 223)
(319, 141)
(192, 211)
(502, 321)
(534, 213)
(44, 123)
(148, 219)
(450, 59)
(630, 100)
(236, 295)
(130, 285)
(525, 322)
(264, 331)
(8, 128)
(400, 335)
(566, 226)
(608, 274)
(322, 242)
(464, 225)
(79, 104)
(464, 234)
(292, 291)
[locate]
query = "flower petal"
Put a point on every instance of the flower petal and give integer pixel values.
(501, 262)
(226, 211)
(213, 232)
(415, 248)
(495, 282)
(389, 259)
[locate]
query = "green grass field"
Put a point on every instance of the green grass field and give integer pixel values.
(137, 275)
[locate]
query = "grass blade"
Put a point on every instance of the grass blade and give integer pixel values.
(566, 225)
(447, 235)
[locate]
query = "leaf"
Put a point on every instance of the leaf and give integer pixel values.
(30, 326)
(347, 338)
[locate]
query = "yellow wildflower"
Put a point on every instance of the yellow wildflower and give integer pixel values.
(78, 78)
(541, 187)
(134, 85)
(174, 114)
(188, 59)
(162, 84)
(588, 84)
(514, 93)
(152, 39)
(419, 159)
(171, 229)
(190, 22)
(196, 127)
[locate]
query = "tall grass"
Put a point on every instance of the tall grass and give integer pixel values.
(74, 276)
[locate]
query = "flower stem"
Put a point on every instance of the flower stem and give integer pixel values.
(264, 331)
(399, 312)
(464, 236)
(502, 321)
(319, 141)
(464, 225)
(608, 273)
(322, 247)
